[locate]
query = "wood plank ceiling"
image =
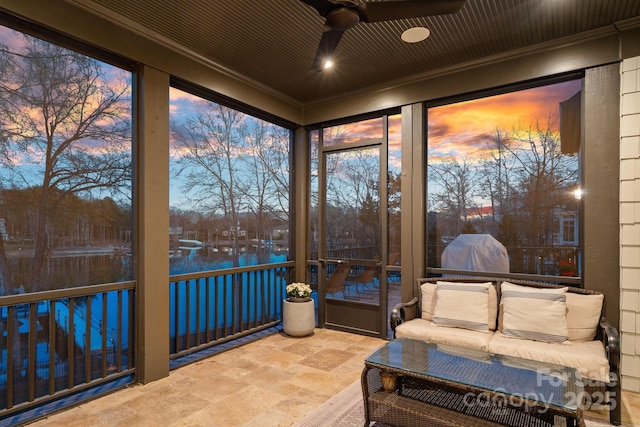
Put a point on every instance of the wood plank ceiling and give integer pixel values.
(273, 42)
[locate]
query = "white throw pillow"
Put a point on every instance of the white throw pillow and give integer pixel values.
(538, 314)
(462, 305)
(583, 316)
(428, 301)
(512, 287)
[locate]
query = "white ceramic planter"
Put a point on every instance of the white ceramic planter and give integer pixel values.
(298, 318)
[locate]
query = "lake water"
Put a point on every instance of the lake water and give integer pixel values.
(63, 272)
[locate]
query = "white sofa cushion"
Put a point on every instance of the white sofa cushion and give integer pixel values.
(587, 357)
(422, 329)
(462, 305)
(534, 313)
(583, 315)
(428, 301)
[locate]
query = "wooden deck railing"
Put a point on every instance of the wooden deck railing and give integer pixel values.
(207, 308)
(60, 342)
(56, 343)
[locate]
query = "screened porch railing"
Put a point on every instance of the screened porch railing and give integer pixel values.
(211, 307)
(60, 342)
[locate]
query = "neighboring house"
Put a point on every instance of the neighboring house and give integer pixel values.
(567, 231)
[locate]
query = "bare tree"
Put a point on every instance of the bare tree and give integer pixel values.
(363, 174)
(276, 160)
(545, 178)
(457, 185)
(394, 195)
(353, 195)
(496, 172)
(211, 145)
(61, 117)
(267, 177)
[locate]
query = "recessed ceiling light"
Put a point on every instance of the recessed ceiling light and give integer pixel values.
(328, 64)
(415, 34)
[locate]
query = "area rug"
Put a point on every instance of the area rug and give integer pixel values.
(346, 410)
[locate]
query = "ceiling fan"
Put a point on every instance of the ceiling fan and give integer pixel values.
(341, 15)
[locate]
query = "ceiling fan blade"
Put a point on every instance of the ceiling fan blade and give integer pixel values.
(402, 9)
(328, 43)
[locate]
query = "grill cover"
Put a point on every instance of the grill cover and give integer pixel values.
(476, 252)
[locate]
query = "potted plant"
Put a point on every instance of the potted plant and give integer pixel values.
(298, 315)
(298, 292)
(568, 268)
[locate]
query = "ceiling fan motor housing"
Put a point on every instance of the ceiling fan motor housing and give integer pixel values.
(342, 18)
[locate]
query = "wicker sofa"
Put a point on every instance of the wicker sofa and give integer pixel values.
(527, 319)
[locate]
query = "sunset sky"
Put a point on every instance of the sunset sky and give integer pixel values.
(464, 128)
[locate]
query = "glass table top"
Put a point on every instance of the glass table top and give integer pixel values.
(550, 384)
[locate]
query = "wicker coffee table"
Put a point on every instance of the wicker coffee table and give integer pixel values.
(415, 383)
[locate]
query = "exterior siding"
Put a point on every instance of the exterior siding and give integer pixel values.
(630, 223)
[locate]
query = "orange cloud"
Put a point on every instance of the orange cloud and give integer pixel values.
(466, 128)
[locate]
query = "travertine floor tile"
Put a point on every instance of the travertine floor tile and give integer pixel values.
(268, 383)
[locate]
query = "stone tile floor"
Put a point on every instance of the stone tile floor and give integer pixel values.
(271, 382)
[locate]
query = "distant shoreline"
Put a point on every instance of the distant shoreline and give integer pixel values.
(73, 251)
